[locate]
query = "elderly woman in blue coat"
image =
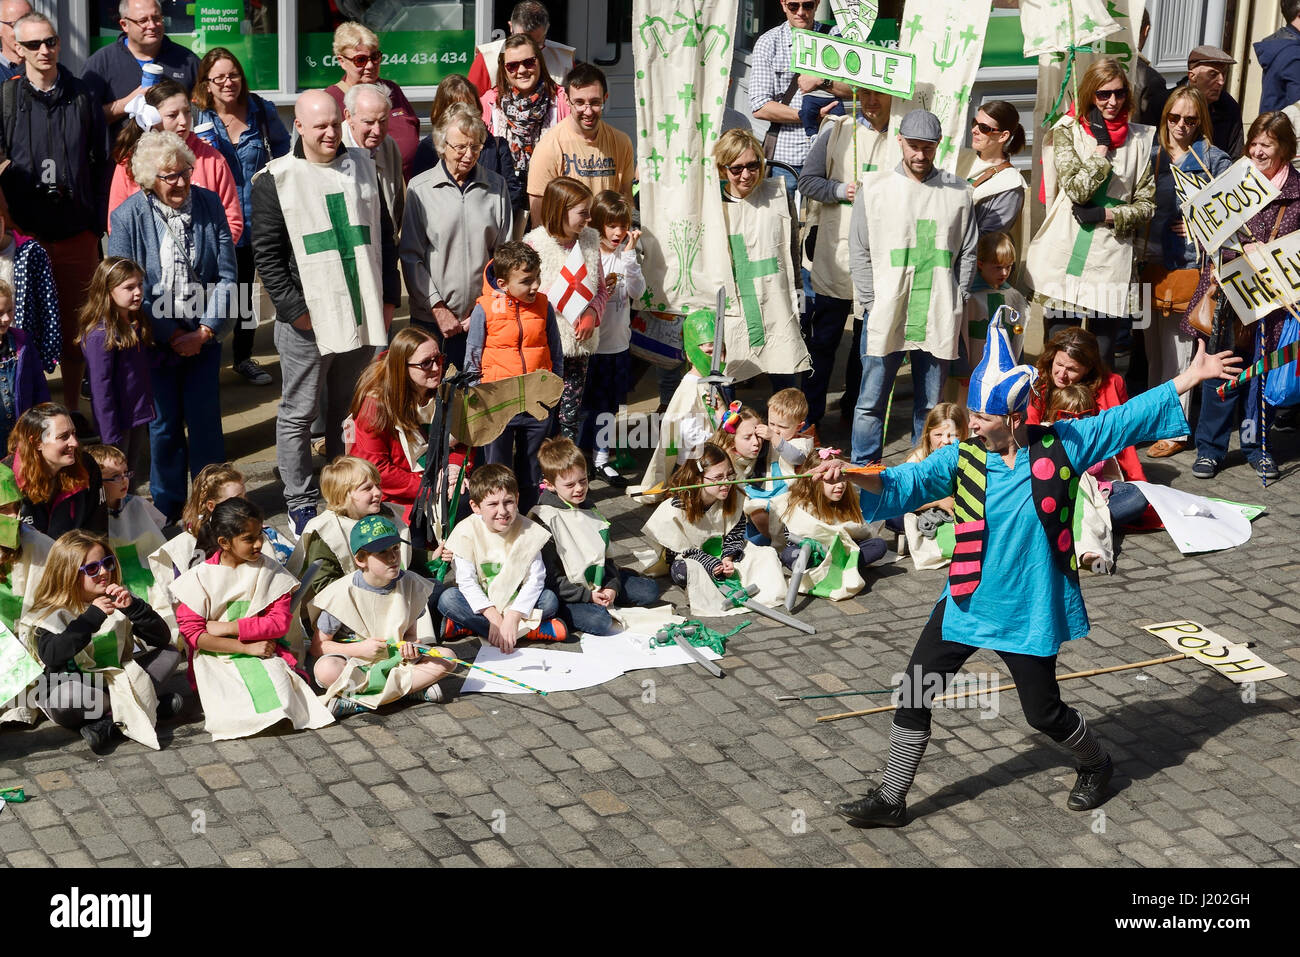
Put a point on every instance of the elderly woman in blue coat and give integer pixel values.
(178, 234)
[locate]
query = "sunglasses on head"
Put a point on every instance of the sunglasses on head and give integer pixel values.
(34, 45)
(744, 168)
(108, 563)
(363, 60)
(529, 63)
(1111, 94)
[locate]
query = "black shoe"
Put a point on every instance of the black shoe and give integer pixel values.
(1287, 420)
(99, 733)
(169, 706)
(609, 475)
(1205, 467)
(1090, 788)
(872, 811)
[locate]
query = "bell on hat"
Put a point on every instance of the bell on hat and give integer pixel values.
(997, 385)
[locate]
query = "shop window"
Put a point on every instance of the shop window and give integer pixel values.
(245, 27)
(421, 42)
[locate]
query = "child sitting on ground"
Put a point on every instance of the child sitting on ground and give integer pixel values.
(1101, 489)
(786, 452)
(135, 527)
(500, 591)
(930, 530)
(578, 567)
(829, 516)
(235, 614)
(702, 534)
(82, 623)
(369, 624)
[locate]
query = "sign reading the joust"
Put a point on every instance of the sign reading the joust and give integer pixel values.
(1264, 280)
(1230, 659)
(1230, 201)
(857, 64)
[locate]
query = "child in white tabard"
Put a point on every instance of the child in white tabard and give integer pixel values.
(828, 515)
(83, 627)
(369, 624)
(135, 527)
(235, 614)
(930, 530)
(995, 262)
(500, 591)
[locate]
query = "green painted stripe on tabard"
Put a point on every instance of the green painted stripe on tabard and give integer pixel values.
(237, 610)
(11, 606)
(259, 684)
(834, 580)
(713, 546)
(104, 648)
(1083, 241)
(136, 577)
(377, 674)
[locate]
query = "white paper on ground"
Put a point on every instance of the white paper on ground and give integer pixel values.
(1191, 529)
(551, 669)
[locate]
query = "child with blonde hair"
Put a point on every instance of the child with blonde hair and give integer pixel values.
(829, 516)
(995, 261)
(930, 529)
(83, 622)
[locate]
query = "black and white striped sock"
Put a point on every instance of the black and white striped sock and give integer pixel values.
(905, 750)
(1085, 747)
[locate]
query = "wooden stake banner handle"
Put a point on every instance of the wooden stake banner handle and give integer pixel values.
(852, 469)
(1008, 687)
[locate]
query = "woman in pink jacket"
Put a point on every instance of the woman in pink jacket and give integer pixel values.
(166, 106)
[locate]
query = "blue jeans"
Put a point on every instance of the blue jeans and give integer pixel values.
(1127, 503)
(453, 605)
(516, 448)
(878, 373)
(634, 591)
(791, 184)
(1239, 410)
(186, 399)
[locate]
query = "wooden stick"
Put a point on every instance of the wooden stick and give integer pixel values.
(660, 488)
(1008, 687)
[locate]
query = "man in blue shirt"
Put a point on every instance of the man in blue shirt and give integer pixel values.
(1013, 584)
(11, 58)
(113, 72)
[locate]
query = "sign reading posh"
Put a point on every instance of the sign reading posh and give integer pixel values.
(857, 64)
(1227, 203)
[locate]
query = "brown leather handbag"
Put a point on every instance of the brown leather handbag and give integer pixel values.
(1171, 289)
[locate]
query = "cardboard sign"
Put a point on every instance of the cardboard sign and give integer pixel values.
(1234, 661)
(1227, 204)
(1264, 280)
(857, 64)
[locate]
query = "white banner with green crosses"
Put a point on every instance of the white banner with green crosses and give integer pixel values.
(683, 51)
(1046, 24)
(947, 39)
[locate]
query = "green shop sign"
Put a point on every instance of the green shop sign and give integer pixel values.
(411, 57)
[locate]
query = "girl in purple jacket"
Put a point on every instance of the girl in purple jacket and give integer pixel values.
(22, 383)
(115, 340)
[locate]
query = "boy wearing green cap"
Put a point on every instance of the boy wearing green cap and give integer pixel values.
(364, 647)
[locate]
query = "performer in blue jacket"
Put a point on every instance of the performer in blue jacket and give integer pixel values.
(1014, 486)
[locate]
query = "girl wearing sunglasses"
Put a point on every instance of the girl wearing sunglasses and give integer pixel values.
(84, 623)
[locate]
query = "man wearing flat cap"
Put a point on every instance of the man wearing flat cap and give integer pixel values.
(1207, 70)
(912, 237)
(1279, 56)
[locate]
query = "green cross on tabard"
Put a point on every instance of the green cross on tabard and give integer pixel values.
(913, 27)
(668, 126)
(747, 275)
(344, 238)
(979, 328)
(654, 158)
(1083, 239)
(945, 148)
(704, 125)
(967, 37)
(925, 257)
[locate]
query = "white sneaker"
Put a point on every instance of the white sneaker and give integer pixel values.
(250, 369)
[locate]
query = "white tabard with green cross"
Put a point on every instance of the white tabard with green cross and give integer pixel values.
(874, 151)
(762, 330)
(915, 234)
(332, 213)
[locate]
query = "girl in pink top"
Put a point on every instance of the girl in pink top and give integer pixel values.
(166, 106)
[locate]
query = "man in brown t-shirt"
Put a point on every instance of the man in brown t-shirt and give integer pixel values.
(583, 145)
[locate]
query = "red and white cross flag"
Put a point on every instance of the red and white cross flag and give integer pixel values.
(574, 288)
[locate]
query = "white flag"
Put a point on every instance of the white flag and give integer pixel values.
(574, 288)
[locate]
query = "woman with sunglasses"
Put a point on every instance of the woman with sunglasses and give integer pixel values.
(178, 234)
(248, 132)
(356, 48)
(761, 219)
(1183, 141)
(1081, 260)
(62, 487)
(391, 411)
(995, 137)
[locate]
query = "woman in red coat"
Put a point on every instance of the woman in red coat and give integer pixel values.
(391, 411)
(1072, 357)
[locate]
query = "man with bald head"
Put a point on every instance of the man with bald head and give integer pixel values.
(11, 56)
(323, 245)
(366, 109)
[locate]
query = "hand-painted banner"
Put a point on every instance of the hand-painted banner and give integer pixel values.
(683, 51)
(1046, 24)
(858, 64)
(1233, 660)
(1227, 203)
(1264, 280)
(947, 39)
(855, 18)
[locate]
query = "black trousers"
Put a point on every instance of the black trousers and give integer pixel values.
(241, 343)
(1035, 679)
(823, 335)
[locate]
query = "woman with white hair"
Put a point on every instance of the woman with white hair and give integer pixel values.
(178, 234)
(456, 214)
(356, 48)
